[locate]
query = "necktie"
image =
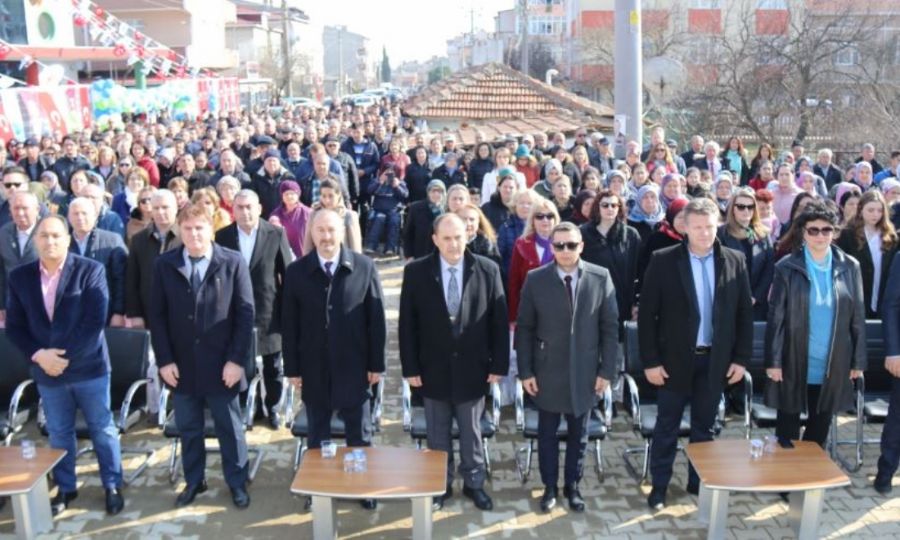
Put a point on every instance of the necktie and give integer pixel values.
(195, 274)
(707, 307)
(328, 273)
(453, 294)
(569, 295)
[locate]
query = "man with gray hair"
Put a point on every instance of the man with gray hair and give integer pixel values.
(826, 169)
(867, 154)
(106, 219)
(695, 333)
(711, 161)
(16, 239)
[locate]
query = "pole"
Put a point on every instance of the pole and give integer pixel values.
(140, 80)
(286, 48)
(340, 81)
(524, 52)
(628, 81)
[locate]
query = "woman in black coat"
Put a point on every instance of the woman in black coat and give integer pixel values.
(481, 165)
(482, 240)
(418, 175)
(870, 238)
(744, 232)
(815, 336)
(497, 209)
(419, 219)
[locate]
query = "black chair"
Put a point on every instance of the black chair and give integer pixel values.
(599, 423)
(414, 419)
(300, 422)
(641, 406)
(248, 410)
(756, 413)
(16, 389)
(129, 358)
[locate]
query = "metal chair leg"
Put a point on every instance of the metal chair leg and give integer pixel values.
(528, 460)
(487, 457)
(646, 470)
(256, 462)
(598, 458)
(173, 463)
(148, 454)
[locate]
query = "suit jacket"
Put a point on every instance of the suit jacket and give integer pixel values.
(334, 335)
(145, 248)
(201, 335)
(79, 318)
(703, 165)
(453, 368)
(268, 263)
(418, 229)
(890, 310)
(108, 249)
(567, 350)
(669, 317)
(848, 243)
(833, 177)
(9, 255)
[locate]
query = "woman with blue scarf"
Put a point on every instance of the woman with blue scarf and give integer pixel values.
(647, 211)
(815, 337)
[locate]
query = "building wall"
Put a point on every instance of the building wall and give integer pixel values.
(352, 48)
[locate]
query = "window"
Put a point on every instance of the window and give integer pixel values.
(847, 56)
(702, 51)
(770, 50)
(546, 25)
(771, 4)
(706, 4)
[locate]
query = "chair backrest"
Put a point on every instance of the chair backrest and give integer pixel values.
(757, 364)
(877, 378)
(634, 366)
(16, 369)
(129, 358)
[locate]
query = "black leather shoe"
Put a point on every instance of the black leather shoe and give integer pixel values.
(693, 488)
(60, 501)
(438, 502)
(368, 504)
(548, 499)
(882, 485)
(657, 498)
(240, 497)
(576, 503)
(481, 499)
(114, 501)
(189, 493)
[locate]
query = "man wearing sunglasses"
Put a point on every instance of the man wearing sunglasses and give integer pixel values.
(566, 345)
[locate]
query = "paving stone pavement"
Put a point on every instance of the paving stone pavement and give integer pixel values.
(616, 507)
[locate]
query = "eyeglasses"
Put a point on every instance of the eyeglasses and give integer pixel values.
(124, 164)
(541, 217)
(12, 185)
(560, 246)
(816, 231)
(609, 205)
(745, 207)
(145, 201)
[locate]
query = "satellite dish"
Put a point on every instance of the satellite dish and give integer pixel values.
(52, 75)
(664, 77)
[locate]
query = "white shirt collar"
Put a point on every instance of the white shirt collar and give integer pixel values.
(334, 261)
(445, 265)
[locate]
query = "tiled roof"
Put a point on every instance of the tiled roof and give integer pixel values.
(497, 130)
(496, 91)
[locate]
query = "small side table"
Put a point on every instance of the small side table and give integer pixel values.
(25, 481)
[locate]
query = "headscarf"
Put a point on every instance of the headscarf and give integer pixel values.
(888, 184)
(667, 227)
(843, 188)
(637, 213)
(436, 209)
(662, 188)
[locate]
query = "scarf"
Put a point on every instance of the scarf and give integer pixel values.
(819, 276)
(637, 213)
(545, 244)
(131, 198)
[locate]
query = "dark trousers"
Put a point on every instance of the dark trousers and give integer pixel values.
(273, 378)
(818, 423)
(226, 414)
(890, 435)
(439, 417)
(670, 407)
(548, 447)
(357, 426)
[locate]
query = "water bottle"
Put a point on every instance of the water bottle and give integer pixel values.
(360, 461)
(349, 462)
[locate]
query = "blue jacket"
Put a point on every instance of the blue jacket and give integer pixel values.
(109, 250)
(385, 197)
(201, 336)
(511, 230)
(110, 221)
(367, 160)
(79, 318)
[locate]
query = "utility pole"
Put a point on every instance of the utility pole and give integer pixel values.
(628, 80)
(340, 81)
(523, 61)
(286, 49)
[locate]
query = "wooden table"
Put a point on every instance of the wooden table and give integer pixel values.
(25, 481)
(725, 466)
(393, 473)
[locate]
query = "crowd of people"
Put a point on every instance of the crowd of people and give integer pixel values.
(201, 231)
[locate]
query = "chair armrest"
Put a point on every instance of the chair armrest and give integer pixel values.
(748, 397)
(520, 407)
(378, 405)
(495, 404)
(406, 402)
(607, 404)
(634, 410)
(163, 412)
(125, 411)
(14, 402)
(252, 392)
(288, 408)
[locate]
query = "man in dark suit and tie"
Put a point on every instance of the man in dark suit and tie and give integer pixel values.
(264, 247)
(334, 333)
(695, 331)
(56, 315)
(454, 341)
(826, 169)
(105, 247)
(567, 335)
(16, 246)
(201, 322)
(711, 162)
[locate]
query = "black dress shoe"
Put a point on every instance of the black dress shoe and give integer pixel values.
(189, 493)
(481, 499)
(61, 501)
(576, 503)
(368, 504)
(657, 498)
(240, 497)
(548, 499)
(882, 484)
(114, 501)
(438, 502)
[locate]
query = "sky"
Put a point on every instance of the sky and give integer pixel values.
(410, 29)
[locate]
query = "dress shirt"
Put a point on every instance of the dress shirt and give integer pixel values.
(246, 242)
(698, 266)
(82, 244)
(202, 265)
(562, 277)
(445, 278)
(334, 262)
(22, 238)
(49, 284)
(874, 241)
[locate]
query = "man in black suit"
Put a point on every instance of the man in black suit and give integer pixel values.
(105, 247)
(711, 162)
(265, 249)
(334, 333)
(454, 341)
(695, 330)
(826, 169)
(696, 149)
(201, 322)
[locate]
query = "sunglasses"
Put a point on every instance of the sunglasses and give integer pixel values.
(561, 246)
(12, 185)
(609, 205)
(816, 231)
(541, 217)
(744, 206)
(124, 164)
